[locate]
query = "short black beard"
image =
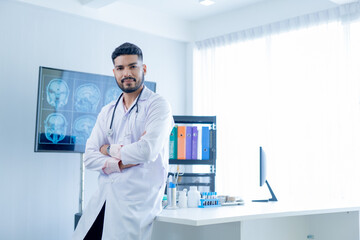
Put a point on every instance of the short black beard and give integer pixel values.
(131, 90)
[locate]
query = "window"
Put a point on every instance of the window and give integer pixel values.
(297, 94)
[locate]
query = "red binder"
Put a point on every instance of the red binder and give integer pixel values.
(181, 142)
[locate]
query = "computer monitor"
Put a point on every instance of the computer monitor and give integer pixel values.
(263, 179)
(68, 105)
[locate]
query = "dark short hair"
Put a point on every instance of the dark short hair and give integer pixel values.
(127, 49)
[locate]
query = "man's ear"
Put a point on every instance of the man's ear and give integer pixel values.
(144, 69)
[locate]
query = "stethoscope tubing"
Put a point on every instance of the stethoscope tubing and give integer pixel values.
(110, 131)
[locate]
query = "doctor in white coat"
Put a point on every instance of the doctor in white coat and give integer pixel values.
(129, 148)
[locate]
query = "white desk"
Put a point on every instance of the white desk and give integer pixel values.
(258, 220)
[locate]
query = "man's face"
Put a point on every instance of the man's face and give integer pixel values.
(129, 72)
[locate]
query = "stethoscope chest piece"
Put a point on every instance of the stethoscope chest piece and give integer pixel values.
(110, 132)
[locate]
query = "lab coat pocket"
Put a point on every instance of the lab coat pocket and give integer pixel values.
(135, 184)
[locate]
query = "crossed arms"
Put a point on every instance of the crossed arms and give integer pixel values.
(103, 150)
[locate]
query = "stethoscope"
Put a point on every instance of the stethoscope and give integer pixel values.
(111, 131)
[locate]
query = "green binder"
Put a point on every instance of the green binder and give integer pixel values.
(173, 143)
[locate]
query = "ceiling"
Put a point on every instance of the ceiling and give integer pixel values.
(187, 20)
(189, 10)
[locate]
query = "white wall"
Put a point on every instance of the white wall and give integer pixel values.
(39, 191)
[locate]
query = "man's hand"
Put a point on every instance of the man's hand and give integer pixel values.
(122, 166)
(103, 149)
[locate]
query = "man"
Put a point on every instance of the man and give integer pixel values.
(128, 146)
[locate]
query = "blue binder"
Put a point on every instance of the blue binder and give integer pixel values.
(205, 143)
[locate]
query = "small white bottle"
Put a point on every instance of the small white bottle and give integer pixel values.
(193, 197)
(183, 199)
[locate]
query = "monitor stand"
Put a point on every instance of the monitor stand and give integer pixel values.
(273, 197)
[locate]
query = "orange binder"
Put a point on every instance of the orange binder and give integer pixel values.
(181, 142)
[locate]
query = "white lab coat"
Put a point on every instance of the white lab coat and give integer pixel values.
(133, 197)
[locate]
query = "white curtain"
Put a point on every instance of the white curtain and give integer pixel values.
(294, 88)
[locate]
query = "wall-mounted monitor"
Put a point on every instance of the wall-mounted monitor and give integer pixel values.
(67, 107)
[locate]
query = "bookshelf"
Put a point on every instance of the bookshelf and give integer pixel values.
(206, 121)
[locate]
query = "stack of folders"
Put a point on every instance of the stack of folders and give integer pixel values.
(190, 142)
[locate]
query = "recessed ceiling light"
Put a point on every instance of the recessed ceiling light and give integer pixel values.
(206, 2)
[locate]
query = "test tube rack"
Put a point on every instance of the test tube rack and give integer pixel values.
(208, 200)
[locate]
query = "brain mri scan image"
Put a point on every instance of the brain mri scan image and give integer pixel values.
(55, 127)
(87, 98)
(112, 94)
(57, 93)
(82, 128)
(68, 103)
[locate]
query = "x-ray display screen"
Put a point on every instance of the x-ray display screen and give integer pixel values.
(68, 105)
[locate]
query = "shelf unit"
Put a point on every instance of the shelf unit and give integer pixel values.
(198, 120)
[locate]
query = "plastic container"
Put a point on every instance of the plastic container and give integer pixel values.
(183, 199)
(193, 197)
